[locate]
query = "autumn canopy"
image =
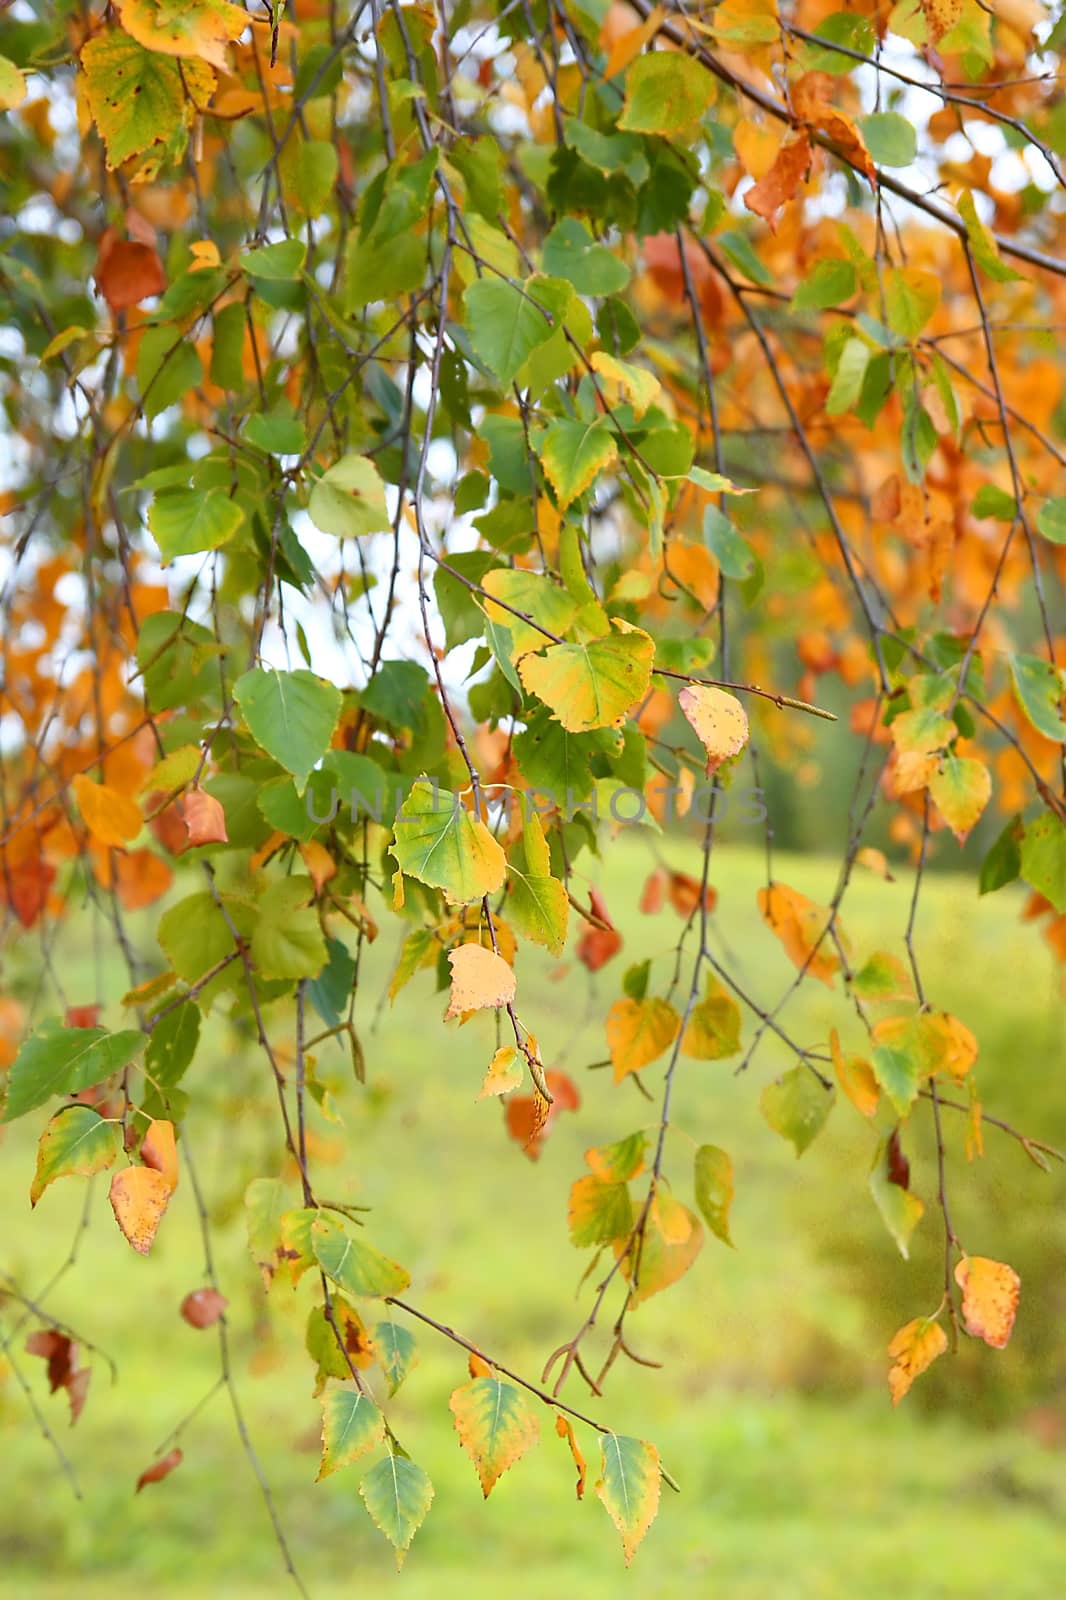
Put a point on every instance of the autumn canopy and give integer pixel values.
(438, 439)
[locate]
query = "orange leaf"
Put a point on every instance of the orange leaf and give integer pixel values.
(109, 816)
(565, 1429)
(779, 185)
(800, 925)
(989, 1298)
(205, 820)
(139, 1197)
(480, 979)
(321, 865)
(529, 1118)
(914, 1348)
(159, 1151)
(160, 1469)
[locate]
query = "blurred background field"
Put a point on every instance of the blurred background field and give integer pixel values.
(798, 1480)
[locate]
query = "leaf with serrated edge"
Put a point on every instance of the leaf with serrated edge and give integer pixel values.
(496, 1426)
(629, 1487)
(351, 1425)
(77, 1141)
(397, 1494)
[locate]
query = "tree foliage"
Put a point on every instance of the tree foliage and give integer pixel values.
(435, 438)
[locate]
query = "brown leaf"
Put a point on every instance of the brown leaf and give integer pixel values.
(205, 820)
(127, 272)
(989, 1298)
(160, 1469)
(61, 1354)
(896, 1163)
(203, 1307)
(139, 1198)
(780, 183)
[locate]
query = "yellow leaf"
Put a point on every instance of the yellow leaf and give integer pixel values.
(505, 1070)
(940, 17)
(112, 818)
(139, 1198)
(480, 979)
(713, 1028)
(671, 1241)
(874, 861)
(913, 1349)
(640, 385)
(989, 1298)
(592, 685)
(720, 721)
(756, 145)
(638, 1031)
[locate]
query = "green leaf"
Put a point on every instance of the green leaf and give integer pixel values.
(911, 297)
(349, 499)
(629, 1486)
(397, 1494)
(574, 453)
(557, 762)
(290, 715)
(496, 1426)
(829, 283)
(591, 685)
(506, 324)
(890, 138)
(534, 595)
(734, 555)
(1043, 859)
(898, 1070)
(714, 1189)
(396, 1351)
(287, 938)
(537, 903)
(139, 97)
(355, 1267)
(1051, 520)
(167, 368)
(437, 841)
(186, 521)
(796, 1106)
(265, 1203)
(275, 263)
(570, 252)
(982, 243)
(992, 502)
(848, 378)
(58, 1060)
(1003, 863)
(666, 93)
(351, 1425)
(713, 1029)
(599, 1212)
(78, 1142)
(900, 1210)
(1040, 688)
(276, 433)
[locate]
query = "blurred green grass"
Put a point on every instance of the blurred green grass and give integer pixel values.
(798, 1480)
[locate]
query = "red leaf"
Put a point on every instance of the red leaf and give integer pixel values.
(127, 272)
(83, 1016)
(61, 1354)
(203, 1307)
(654, 893)
(160, 1469)
(597, 945)
(899, 1168)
